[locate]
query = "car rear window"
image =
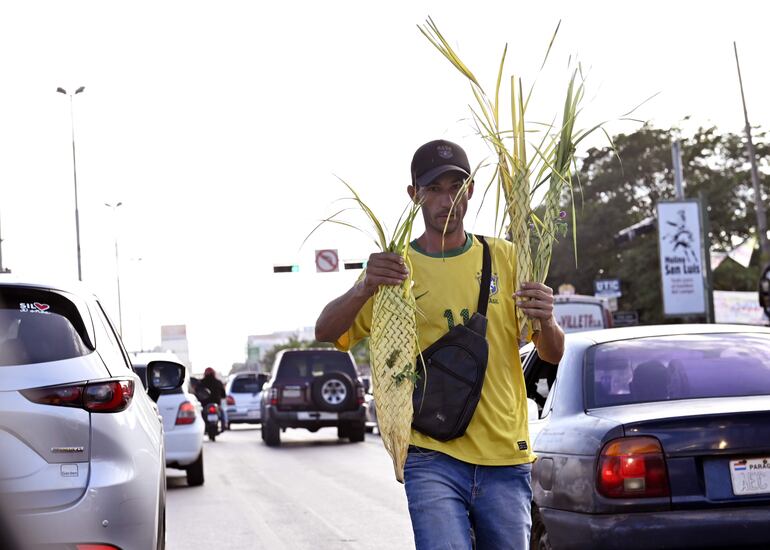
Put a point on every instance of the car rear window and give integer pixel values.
(39, 326)
(677, 367)
(247, 384)
(305, 363)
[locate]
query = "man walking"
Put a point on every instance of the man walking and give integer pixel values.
(478, 482)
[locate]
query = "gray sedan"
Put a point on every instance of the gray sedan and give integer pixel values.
(652, 437)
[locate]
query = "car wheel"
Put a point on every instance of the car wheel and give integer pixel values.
(539, 536)
(195, 472)
(357, 432)
(333, 391)
(271, 433)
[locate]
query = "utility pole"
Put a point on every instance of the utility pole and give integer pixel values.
(759, 205)
(117, 265)
(676, 157)
(74, 172)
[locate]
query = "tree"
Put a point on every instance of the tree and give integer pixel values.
(616, 188)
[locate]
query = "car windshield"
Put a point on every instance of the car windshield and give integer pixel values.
(305, 363)
(246, 384)
(677, 367)
(38, 326)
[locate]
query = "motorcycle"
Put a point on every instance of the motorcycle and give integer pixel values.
(212, 413)
(212, 421)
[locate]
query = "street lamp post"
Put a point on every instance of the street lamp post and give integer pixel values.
(117, 267)
(74, 172)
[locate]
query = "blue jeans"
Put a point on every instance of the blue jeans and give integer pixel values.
(448, 498)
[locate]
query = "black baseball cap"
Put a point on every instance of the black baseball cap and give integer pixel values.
(436, 158)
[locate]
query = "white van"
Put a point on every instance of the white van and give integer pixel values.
(578, 312)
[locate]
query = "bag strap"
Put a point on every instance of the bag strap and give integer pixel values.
(486, 277)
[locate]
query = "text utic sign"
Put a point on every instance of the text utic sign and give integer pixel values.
(681, 258)
(607, 288)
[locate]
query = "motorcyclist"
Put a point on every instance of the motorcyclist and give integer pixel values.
(217, 393)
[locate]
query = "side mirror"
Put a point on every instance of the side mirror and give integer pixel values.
(764, 290)
(533, 412)
(163, 376)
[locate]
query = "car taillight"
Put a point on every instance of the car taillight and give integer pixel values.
(632, 467)
(109, 396)
(273, 396)
(230, 400)
(360, 395)
(185, 414)
(62, 396)
(96, 547)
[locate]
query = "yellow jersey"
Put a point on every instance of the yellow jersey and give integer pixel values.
(446, 288)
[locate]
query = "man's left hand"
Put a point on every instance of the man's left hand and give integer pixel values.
(536, 301)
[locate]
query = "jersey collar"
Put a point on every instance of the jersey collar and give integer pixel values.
(447, 253)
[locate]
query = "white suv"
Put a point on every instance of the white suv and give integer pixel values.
(81, 443)
(183, 424)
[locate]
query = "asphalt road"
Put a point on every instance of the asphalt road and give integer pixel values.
(314, 492)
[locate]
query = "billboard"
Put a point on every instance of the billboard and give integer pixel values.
(173, 332)
(738, 307)
(680, 247)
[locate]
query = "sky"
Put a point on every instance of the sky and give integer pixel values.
(223, 127)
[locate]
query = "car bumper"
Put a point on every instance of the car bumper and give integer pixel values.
(119, 507)
(314, 419)
(239, 416)
(184, 444)
(713, 528)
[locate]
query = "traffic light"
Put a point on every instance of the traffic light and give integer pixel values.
(285, 268)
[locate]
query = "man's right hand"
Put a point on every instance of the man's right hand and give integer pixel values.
(384, 268)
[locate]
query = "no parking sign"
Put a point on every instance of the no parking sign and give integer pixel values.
(327, 261)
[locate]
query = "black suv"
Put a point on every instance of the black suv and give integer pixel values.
(313, 389)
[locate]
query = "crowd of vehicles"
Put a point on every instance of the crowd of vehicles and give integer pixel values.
(650, 436)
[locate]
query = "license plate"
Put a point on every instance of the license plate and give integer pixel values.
(750, 476)
(291, 393)
(316, 416)
(212, 418)
(252, 414)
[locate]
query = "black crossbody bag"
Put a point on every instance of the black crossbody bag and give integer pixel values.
(451, 371)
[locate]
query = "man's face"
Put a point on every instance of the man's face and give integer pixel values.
(437, 198)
